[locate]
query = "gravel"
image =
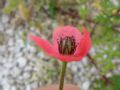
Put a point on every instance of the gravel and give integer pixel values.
(24, 67)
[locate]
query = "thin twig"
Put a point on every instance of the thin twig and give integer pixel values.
(92, 60)
(74, 14)
(103, 77)
(93, 29)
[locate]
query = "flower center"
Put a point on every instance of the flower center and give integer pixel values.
(67, 45)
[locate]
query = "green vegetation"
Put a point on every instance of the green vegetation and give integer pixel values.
(115, 85)
(102, 18)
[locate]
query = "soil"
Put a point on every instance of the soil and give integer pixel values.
(56, 87)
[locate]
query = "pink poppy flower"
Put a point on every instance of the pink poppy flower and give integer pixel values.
(69, 44)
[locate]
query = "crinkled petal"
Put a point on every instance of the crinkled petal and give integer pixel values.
(68, 58)
(62, 32)
(44, 44)
(48, 48)
(84, 45)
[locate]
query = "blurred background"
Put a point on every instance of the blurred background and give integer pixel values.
(24, 66)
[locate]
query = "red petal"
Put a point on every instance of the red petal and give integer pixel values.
(68, 58)
(62, 32)
(48, 48)
(51, 51)
(82, 49)
(84, 45)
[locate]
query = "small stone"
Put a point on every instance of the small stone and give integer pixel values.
(109, 75)
(1, 27)
(13, 88)
(116, 72)
(41, 55)
(93, 70)
(21, 62)
(1, 76)
(85, 61)
(105, 56)
(10, 32)
(115, 2)
(6, 86)
(18, 55)
(10, 80)
(15, 72)
(30, 48)
(5, 19)
(86, 85)
(28, 68)
(8, 65)
(2, 38)
(10, 43)
(20, 78)
(92, 51)
(34, 85)
(28, 87)
(26, 75)
(20, 43)
(74, 69)
(5, 72)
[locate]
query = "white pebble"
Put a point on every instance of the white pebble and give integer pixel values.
(21, 62)
(5, 19)
(34, 85)
(28, 87)
(26, 75)
(6, 86)
(86, 85)
(15, 72)
(10, 31)
(13, 88)
(1, 27)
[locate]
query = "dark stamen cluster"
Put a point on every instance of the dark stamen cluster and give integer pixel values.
(67, 45)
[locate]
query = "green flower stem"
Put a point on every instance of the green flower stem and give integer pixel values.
(63, 70)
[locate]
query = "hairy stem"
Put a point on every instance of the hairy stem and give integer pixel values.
(63, 70)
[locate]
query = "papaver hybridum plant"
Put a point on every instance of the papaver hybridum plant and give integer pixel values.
(69, 44)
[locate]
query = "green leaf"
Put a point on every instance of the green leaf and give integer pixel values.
(102, 18)
(52, 8)
(8, 9)
(99, 84)
(108, 6)
(84, 12)
(12, 5)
